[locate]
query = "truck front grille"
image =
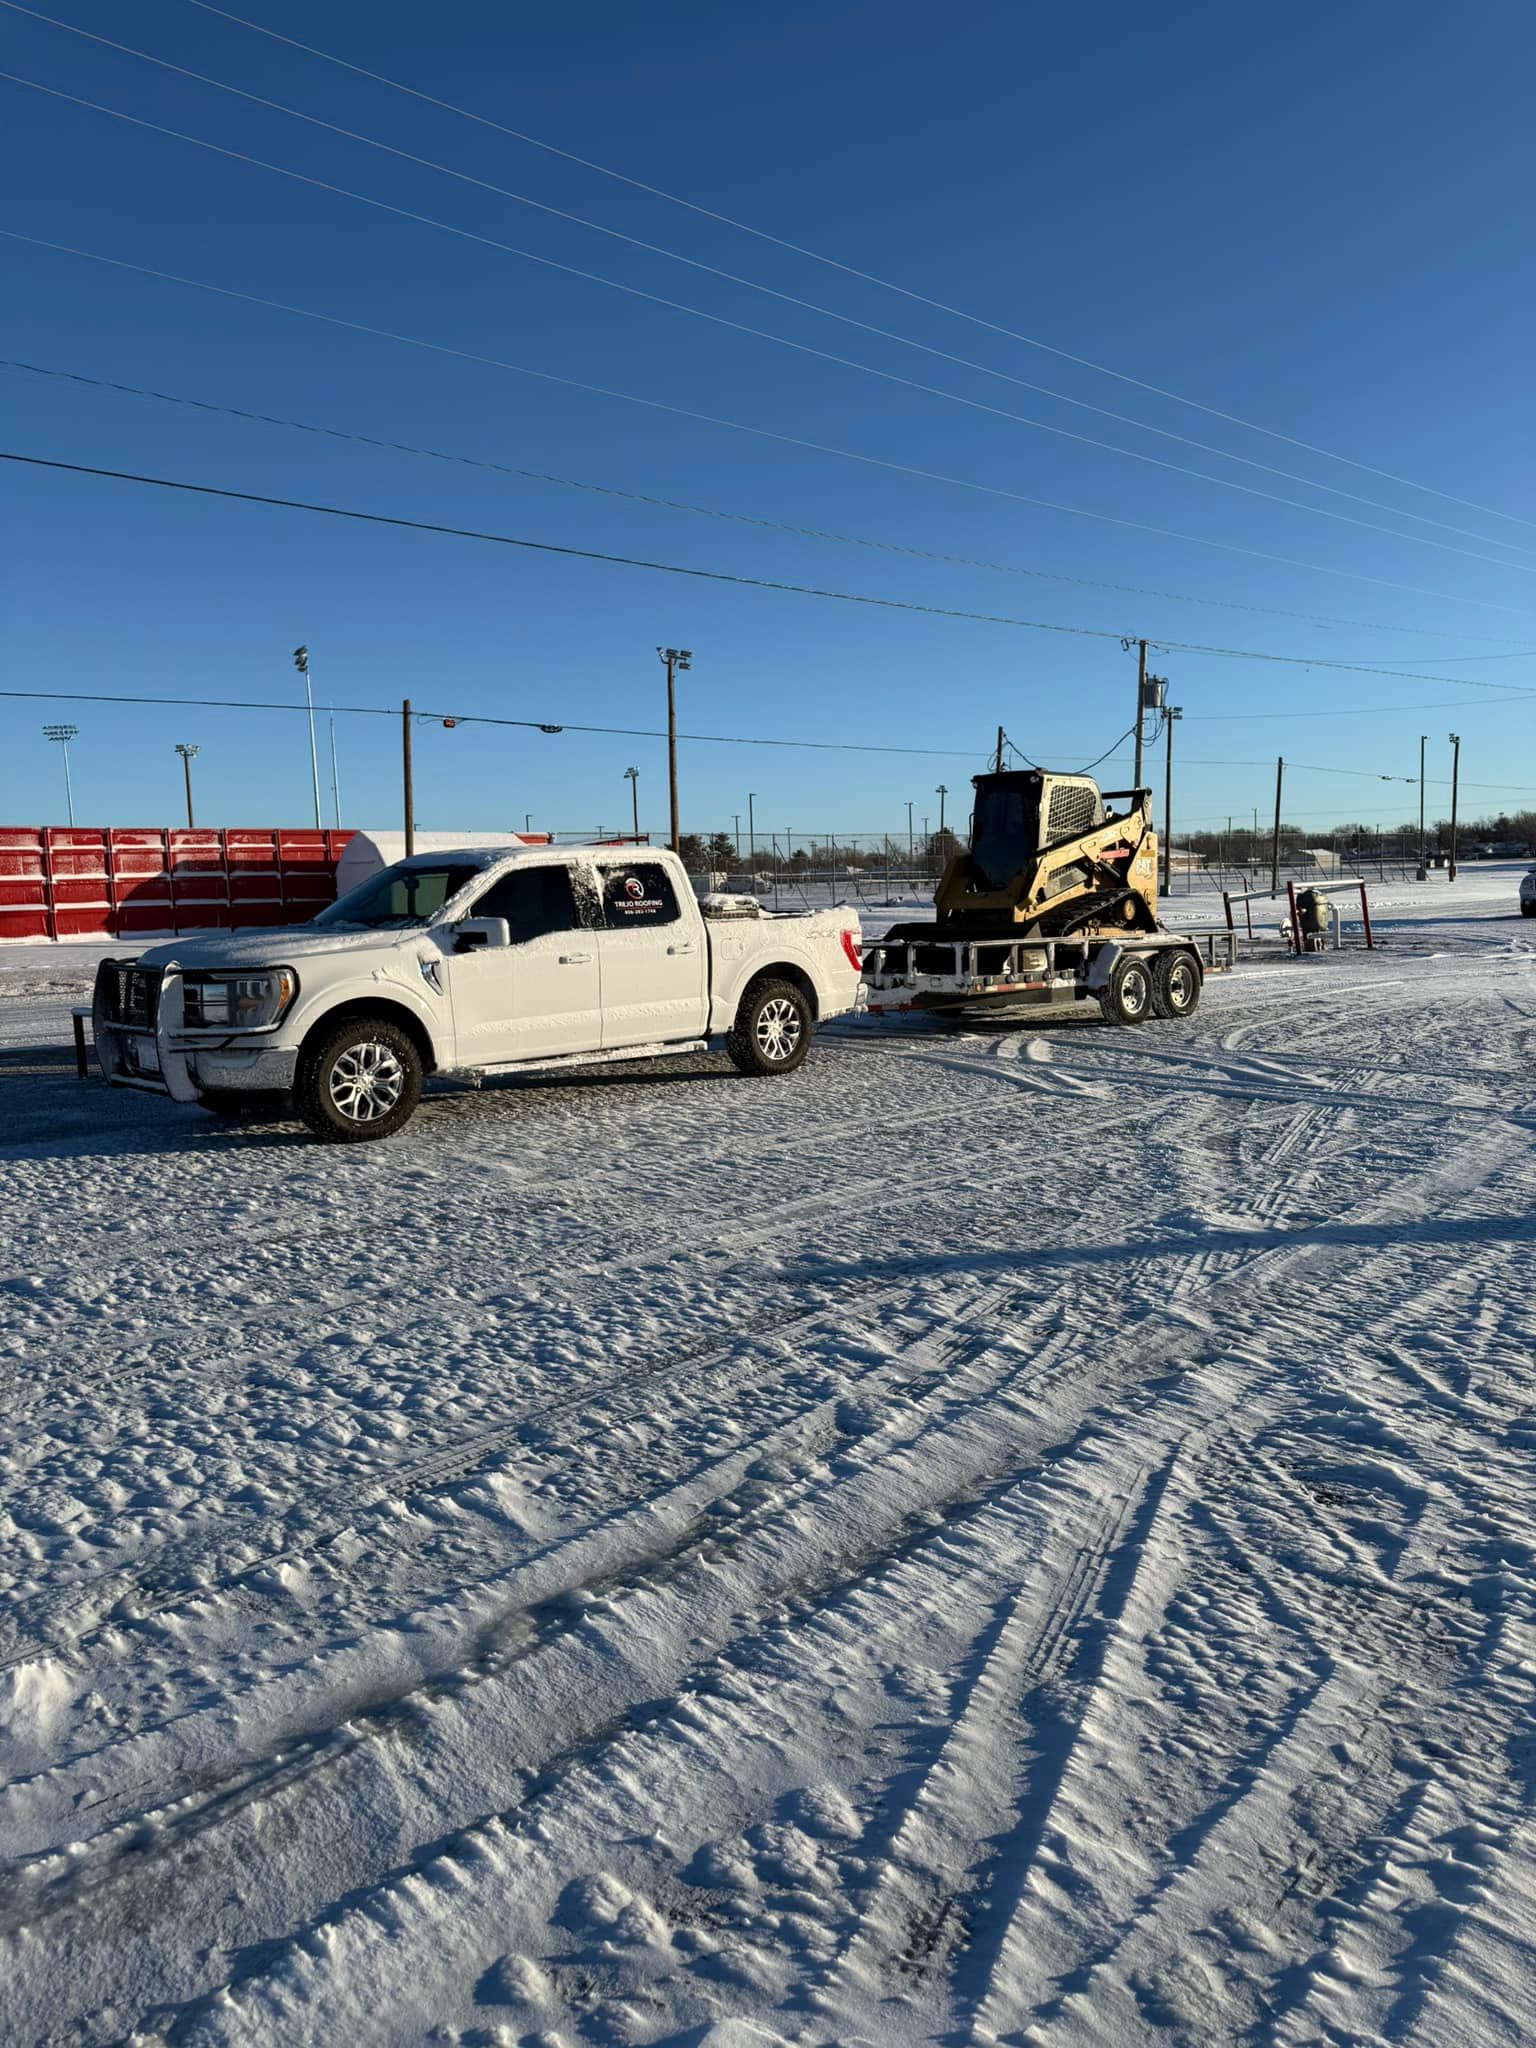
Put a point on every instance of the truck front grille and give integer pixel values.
(131, 994)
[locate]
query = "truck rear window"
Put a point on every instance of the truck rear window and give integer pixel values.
(637, 893)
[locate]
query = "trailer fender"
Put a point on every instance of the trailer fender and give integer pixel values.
(1102, 965)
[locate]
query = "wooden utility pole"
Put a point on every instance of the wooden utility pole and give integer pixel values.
(1141, 698)
(1274, 852)
(941, 792)
(1455, 780)
(405, 768)
(997, 758)
(673, 659)
(1423, 866)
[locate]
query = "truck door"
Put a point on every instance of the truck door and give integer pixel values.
(653, 956)
(537, 997)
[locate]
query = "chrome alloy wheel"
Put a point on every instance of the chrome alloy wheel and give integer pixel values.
(1181, 987)
(366, 1081)
(777, 1029)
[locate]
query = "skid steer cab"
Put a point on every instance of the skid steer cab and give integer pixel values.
(1051, 906)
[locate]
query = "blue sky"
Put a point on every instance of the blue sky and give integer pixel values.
(1313, 218)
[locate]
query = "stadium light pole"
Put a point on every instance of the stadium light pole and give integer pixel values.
(301, 663)
(632, 777)
(188, 755)
(941, 792)
(751, 831)
(63, 734)
(1455, 739)
(674, 660)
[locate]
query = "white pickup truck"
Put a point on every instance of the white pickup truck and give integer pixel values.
(480, 961)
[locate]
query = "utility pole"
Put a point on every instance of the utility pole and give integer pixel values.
(911, 849)
(63, 734)
(736, 822)
(187, 754)
(1141, 698)
(673, 659)
(632, 777)
(1423, 869)
(997, 759)
(301, 663)
(405, 768)
(941, 792)
(751, 831)
(1274, 856)
(1455, 739)
(1170, 715)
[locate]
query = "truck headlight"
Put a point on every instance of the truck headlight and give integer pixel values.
(240, 1002)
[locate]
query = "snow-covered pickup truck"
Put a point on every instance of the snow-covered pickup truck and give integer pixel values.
(467, 963)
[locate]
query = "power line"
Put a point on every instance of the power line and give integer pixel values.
(1348, 710)
(757, 333)
(752, 284)
(849, 270)
(668, 504)
(632, 732)
(545, 547)
(770, 434)
(718, 739)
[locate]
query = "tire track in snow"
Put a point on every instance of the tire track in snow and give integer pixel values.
(932, 1371)
(395, 1904)
(703, 1520)
(459, 1459)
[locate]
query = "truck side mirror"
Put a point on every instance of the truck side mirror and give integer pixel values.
(472, 934)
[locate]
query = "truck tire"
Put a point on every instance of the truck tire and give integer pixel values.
(1528, 910)
(1176, 984)
(772, 1032)
(1128, 998)
(358, 1081)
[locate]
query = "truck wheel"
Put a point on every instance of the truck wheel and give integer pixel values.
(1128, 998)
(772, 1032)
(1176, 985)
(358, 1081)
(1528, 910)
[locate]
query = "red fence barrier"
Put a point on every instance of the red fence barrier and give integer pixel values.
(68, 881)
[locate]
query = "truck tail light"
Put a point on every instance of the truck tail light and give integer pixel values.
(851, 948)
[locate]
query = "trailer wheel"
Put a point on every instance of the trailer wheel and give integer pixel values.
(772, 1032)
(1129, 996)
(1176, 985)
(359, 1081)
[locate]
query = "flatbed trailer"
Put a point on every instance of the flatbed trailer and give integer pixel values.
(1130, 976)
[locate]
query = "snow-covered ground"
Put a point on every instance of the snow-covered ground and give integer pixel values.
(1007, 1536)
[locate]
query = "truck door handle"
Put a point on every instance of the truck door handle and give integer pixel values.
(680, 949)
(575, 959)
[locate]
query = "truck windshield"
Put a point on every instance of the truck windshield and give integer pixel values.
(403, 895)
